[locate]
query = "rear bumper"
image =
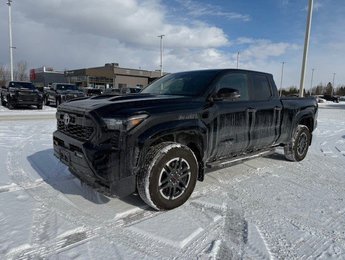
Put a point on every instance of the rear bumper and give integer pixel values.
(97, 166)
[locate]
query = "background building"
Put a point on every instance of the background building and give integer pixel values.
(44, 76)
(111, 76)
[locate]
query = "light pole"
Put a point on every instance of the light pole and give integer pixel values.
(238, 57)
(333, 84)
(161, 47)
(306, 47)
(281, 79)
(312, 77)
(10, 34)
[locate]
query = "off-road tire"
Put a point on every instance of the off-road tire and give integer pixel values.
(3, 102)
(10, 104)
(297, 149)
(46, 101)
(40, 106)
(57, 102)
(158, 167)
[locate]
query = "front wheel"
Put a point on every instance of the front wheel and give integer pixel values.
(3, 102)
(168, 176)
(297, 149)
(10, 104)
(46, 101)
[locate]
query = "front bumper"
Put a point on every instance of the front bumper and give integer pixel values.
(97, 166)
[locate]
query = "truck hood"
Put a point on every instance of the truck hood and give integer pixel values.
(24, 90)
(125, 105)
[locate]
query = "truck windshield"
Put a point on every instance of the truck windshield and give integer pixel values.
(66, 87)
(192, 83)
(26, 85)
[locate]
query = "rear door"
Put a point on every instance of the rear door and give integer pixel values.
(266, 110)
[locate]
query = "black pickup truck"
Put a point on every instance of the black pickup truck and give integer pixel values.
(159, 142)
(18, 93)
(61, 92)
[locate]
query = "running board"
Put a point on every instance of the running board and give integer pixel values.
(228, 161)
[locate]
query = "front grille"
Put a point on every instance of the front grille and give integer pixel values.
(28, 97)
(78, 126)
(69, 97)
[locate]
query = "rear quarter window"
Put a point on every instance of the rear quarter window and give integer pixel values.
(261, 88)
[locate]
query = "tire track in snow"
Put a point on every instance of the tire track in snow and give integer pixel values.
(47, 198)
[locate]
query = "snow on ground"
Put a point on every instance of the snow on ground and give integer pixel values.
(265, 208)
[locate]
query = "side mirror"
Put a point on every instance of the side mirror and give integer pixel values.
(228, 94)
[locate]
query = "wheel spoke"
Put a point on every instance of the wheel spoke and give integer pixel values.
(172, 192)
(181, 185)
(165, 184)
(167, 168)
(184, 175)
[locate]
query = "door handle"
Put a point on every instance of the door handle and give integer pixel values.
(251, 110)
(277, 108)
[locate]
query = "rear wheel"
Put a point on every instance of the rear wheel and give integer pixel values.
(58, 102)
(168, 176)
(297, 149)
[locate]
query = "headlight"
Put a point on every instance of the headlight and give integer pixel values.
(113, 124)
(127, 124)
(12, 91)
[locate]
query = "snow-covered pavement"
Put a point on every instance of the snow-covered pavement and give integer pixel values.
(265, 208)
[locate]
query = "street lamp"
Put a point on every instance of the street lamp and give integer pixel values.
(161, 47)
(238, 57)
(333, 84)
(306, 47)
(281, 79)
(312, 77)
(10, 34)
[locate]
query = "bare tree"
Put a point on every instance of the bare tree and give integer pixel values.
(4, 75)
(21, 71)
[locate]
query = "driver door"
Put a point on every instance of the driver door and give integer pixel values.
(233, 116)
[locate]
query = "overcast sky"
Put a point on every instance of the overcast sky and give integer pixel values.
(70, 34)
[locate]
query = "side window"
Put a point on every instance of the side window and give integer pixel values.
(237, 81)
(261, 89)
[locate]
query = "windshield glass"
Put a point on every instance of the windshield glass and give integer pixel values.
(191, 83)
(26, 85)
(66, 87)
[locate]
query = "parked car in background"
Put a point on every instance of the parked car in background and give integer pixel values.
(61, 92)
(130, 90)
(331, 98)
(18, 93)
(92, 92)
(111, 91)
(320, 99)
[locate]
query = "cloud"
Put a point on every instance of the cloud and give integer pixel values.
(201, 9)
(260, 49)
(130, 22)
